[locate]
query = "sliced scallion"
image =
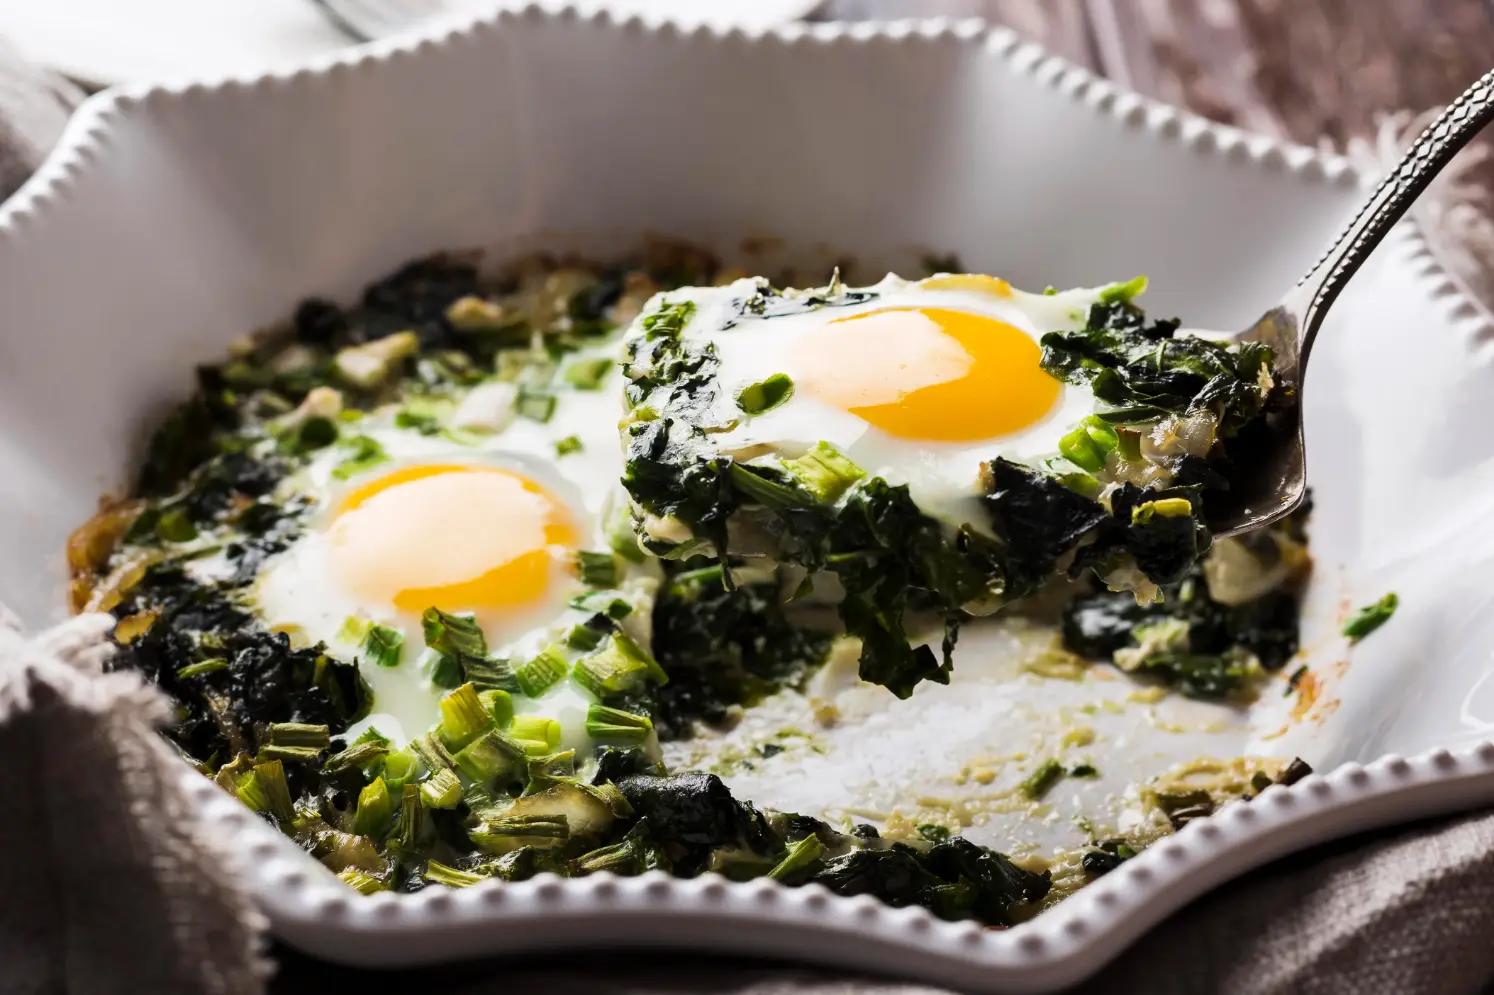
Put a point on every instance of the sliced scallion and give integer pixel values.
(202, 667)
(797, 860)
(614, 723)
(535, 404)
(500, 705)
(621, 665)
(383, 645)
(463, 717)
(1371, 617)
(440, 873)
(542, 673)
(824, 471)
(538, 729)
(765, 395)
(364, 453)
(362, 882)
(375, 810)
(597, 569)
(443, 789)
(587, 374)
(489, 757)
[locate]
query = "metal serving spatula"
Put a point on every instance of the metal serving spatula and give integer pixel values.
(1270, 478)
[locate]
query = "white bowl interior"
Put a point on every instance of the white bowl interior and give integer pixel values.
(179, 218)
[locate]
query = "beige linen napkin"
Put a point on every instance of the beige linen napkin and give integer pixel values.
(108, 886)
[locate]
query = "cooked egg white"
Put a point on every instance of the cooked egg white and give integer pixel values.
(484, 519)
(919, 385)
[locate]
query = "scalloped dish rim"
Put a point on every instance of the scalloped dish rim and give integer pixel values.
(312, 910)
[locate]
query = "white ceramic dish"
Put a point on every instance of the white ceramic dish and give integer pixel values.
(173, 219)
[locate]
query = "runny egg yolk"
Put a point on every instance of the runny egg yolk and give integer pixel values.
(459, 538)
(928, 373)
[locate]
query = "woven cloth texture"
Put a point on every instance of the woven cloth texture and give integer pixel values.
(109, 885)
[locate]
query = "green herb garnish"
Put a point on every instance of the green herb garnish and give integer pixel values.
(1371, 617)
(765, 395)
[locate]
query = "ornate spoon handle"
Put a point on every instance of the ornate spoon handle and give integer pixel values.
(1444, 138)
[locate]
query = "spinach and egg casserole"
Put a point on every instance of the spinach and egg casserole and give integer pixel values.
(437, 580)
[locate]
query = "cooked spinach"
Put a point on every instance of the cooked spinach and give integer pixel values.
(1187, 640)
(723, 647)
(1144, 370)
(903, 572)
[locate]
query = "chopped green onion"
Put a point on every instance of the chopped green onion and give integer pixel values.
(1084, 770)
(314, 433)
(587, 374)
(430, 751)
(670, 319)
(383, 645)
(625, 858)
(1113, 292)
(603, 602)
(296, 741)
(424, 422)
(368, 365)
(411, 823)
(1088, 444)
(1038, 783)
(535, 404)
(361, 881)
(620, 533)
(570, 444)
(354, 756)
(505, 834)
(175, 526)
(375, 810)
(1128, 444)
(443, 789)
(399, 768)
(933, 833)
(1161, 508)
(824, 471)
(597, 569)
(585, 637)
(621, 665)
(1072, 477)
(542, 673)
(476, 314)
(489, 757)
(544, 770)
(354, 629)
(365, 454)
(611, 796)
(536, 729)
(372, 735)
(767, 492)
(202, 667)
(797, 859)
(439, 873)
(447, 672)
(765, 395)
(453, 635)
(500, 705)
(1371, 617)
(264, 789)
(614, 723)
(489, 673)
(463, 717)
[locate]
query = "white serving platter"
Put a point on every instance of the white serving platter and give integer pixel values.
(174, 218)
